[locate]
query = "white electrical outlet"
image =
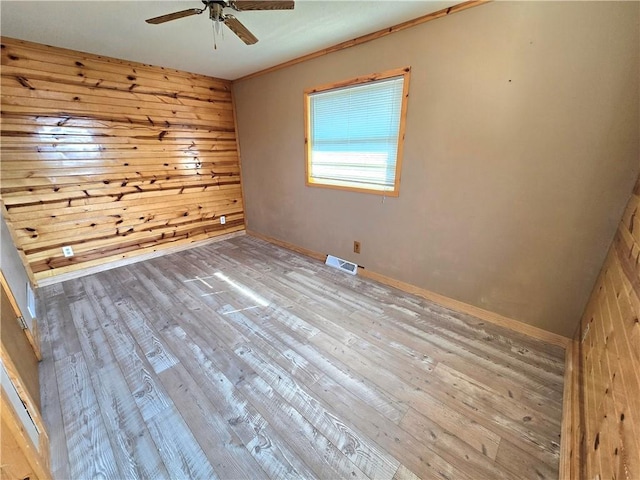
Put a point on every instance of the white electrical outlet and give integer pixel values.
(223, 220)
(67, 251)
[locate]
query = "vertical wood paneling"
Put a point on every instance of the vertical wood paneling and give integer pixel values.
(112, 158)
(606, 430)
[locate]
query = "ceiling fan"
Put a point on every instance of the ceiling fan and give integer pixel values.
(217, 15)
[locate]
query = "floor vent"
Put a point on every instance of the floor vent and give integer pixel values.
(343, 265)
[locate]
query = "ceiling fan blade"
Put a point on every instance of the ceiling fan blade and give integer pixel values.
(174, 16)
(241, 5)
(240, 30)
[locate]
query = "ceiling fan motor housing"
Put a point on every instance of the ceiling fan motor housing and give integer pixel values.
(215, 11)
(221, 3)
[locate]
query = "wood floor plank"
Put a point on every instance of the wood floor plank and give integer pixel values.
(93, 343)
(483, 446)
(64, 339)
(323, 456)
(391, 406)
(386, 297)
(455, 322)
(241, 359)
(419, 397)
(381, 429)
(404, 473)
(531, 397)
(90, 451)
(50, 398)
(418, 393)
(366, 455)
(181, 452)
(452, 447)
(224, 449)
(515, 411)
(271, 452)
(133, 447)
(522, 464)
(516, 383)
(404, 347)
(155, 352)
(453, 339)
(131, 443)
(261, 440)
(147, 390)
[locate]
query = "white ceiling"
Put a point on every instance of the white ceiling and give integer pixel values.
(118, 29)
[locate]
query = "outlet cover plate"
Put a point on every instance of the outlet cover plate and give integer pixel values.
(67, 251)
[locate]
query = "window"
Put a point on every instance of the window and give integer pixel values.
(354, 132)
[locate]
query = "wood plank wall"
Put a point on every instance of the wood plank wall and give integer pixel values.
(606, 402)
(112, 158)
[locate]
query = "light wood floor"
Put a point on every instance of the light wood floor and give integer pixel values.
(243, 360)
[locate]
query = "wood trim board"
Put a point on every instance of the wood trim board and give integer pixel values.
(367, 38)
(239, 154)
(35, 455)
(567, 467)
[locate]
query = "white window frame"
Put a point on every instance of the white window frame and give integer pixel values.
(357, 81)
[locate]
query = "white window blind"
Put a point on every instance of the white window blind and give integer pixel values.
(354, 135)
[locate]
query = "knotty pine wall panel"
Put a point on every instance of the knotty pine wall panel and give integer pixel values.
(606, 429)
(111, 157)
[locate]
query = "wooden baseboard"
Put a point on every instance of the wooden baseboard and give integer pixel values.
(497, 319)
(288, 246)
(133, 259)
(568, 450)
(487, 315)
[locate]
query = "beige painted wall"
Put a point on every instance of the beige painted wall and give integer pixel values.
(522, 146)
